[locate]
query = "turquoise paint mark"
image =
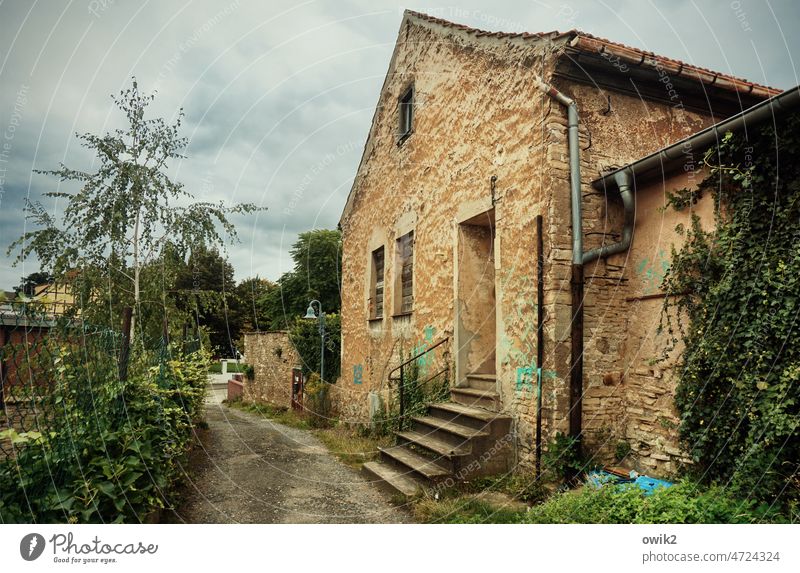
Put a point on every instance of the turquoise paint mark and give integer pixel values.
(652, 273)
(358, 374)
(525, 379)
(429, 332)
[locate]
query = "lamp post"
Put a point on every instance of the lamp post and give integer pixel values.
(311, 315)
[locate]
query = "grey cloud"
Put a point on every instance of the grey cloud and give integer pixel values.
(271, 89)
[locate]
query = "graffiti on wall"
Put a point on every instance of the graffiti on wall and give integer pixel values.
(358, 374)
(651, 272)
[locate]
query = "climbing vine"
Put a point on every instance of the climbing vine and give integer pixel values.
(737, 315)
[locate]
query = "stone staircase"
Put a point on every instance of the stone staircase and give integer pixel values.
(454, 441)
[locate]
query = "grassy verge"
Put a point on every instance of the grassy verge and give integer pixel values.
(233, 368)
(685, 502)
(279, 415)
(352, 445)
(499, 499)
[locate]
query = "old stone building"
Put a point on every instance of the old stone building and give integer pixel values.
(277, 369)
(469, 147)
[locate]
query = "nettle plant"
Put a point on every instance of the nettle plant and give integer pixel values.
(739, 317)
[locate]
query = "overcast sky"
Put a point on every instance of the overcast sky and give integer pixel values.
(278, 96)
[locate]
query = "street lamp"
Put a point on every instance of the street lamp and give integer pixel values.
(311, 315)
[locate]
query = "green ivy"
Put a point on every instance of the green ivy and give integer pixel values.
(111, 451)
(738, 316)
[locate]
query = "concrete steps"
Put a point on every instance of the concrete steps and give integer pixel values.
(396, 479)
(453, 441)
(475, 398)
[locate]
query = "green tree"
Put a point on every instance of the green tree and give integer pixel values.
(205, 289)
(126, 212)
(246, 308)
(317, 257)
(31, 281)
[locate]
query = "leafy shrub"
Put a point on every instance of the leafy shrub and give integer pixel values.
(562, 457)
(621, 450)
(318, 402)
(739, 379)
(681, 503)
(113, 451)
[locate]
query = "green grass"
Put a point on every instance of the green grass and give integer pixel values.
(280, 415)
(351, 446)
(233, 368)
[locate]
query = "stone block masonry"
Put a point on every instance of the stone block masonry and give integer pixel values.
(273, 357)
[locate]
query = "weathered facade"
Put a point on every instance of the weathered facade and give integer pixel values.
(274, 359)
(464, 152)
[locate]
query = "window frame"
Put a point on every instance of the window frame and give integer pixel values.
(405, 115)
(402, 260)
(374, 285)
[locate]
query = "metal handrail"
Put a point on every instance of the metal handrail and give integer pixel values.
(401, 378)
(416, 356)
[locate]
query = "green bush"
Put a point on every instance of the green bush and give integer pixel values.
(318, 402)
(113, 451)
(304, 335)
(562, 457)
(681, 503)
(738, 391)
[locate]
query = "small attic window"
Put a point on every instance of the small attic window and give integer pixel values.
(406, 114)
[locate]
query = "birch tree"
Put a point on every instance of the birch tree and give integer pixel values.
(127, 211)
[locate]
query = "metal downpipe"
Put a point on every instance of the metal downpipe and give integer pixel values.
(623, 181)
(576, 335)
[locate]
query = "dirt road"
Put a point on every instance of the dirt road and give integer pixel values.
(251, 470)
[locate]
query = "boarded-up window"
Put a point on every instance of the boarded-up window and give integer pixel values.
(405, 274)
(376, 296)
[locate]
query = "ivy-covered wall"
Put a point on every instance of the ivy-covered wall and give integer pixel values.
(737, 391)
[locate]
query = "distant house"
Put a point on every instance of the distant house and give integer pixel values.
(483, 146)
(55, 298)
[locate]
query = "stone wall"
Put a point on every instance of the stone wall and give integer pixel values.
(612, 406)
(485, 140)
(273, 357)
(437, 178)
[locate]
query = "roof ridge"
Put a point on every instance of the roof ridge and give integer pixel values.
(586, 42)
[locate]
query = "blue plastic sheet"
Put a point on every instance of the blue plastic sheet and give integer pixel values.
(599, 478)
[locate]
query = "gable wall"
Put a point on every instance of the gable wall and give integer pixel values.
(479, 115)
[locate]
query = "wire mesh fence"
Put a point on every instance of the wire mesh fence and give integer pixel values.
(88, 431)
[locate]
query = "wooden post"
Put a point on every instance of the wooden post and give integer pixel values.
(124, 353)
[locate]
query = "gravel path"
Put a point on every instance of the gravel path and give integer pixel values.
(252, 470)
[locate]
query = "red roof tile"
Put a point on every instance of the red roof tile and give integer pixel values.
(588, 43)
